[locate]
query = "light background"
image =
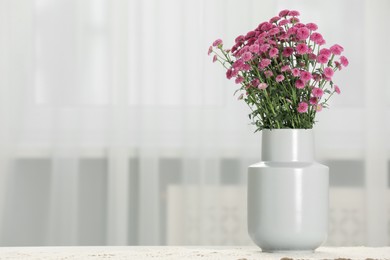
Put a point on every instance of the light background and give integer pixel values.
(117, 129)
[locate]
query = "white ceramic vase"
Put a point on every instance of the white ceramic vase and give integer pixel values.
(288, 193)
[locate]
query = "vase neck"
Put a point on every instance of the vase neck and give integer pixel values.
(288, 145)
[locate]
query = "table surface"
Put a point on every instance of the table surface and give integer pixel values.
(189, 252)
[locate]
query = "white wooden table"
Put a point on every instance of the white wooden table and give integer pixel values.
(182, 252)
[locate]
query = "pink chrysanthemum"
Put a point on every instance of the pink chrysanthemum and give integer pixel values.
(266, 26)
(316, 37)
(318, 107)
(294, 20)
(302, 107)
(322, 59)
(229, 73)
(239, 80)
(293, 13)
(240, 39)
(283, 22)
(295, 72)
(337, 89)
(287, 51)
(246, 67)
(247, 56)
(285, 68)
(210, 50)
(302, 48)
(264, 47)
(317, 92)
(325, 52)
(305, 76)
(283, 13)
(313, 101)
(303, 33)
(263, 85)
(299, 84)
(279, 78)
(268, 73)
(328, 72)
(254, 48)
(255, 83)
(344, 61)
(215, 58)
(336, 49)
(238, 64)
(274, 19)
(273, 31)
(273, 52)
(312, 26)
(217, 42)
(264, 63)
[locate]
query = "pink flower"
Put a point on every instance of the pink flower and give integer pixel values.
(336, 49)
(266, 26)
(316, 77)
(305, 76)
(255, 83)
(215, 58)
(279, 78)
(254, 48)
(303, 33)
(316, 37)
(299, 84)
(294, 20)
(328, 72)
(273, 31)
(274, 19)
(210, 50)
(313, 100)
(312, 26)
(317, 92)
(295, 72)
(263, 85)
(238, 64)
(302, 107)
(318, 107)
(337, 89)
(338, 65)
(344, 61)
(283, 22)
(250, 34)
(239, 80)
(287, 51)
(240, 39)
(217, 42)
(273, 52)
(321, 42)
(325, 52)
(283, 13)
(285, 68)
(264, 63)
(312, 56)
(246, 67)
(322, 59)
(264, 47)
(302, 48)
(293, 13)
(247, 56)
(229, 73)
(235, 73)
(268, 73)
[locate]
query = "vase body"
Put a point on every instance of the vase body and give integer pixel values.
(288, 193)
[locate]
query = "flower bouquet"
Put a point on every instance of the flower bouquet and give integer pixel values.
(284, 71)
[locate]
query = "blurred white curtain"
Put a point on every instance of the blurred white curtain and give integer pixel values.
(129, 84)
